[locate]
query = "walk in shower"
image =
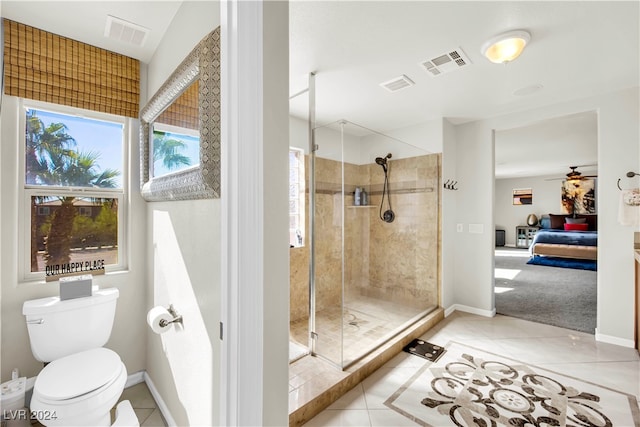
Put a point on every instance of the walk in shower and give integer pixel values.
(373, 242)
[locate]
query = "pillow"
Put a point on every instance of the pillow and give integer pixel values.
(592, 220)
(575, 220)
(557, 221)
(545, 221)
(576, 227)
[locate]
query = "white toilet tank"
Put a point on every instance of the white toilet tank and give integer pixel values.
(60, 328)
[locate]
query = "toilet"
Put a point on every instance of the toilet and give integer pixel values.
(82, 380)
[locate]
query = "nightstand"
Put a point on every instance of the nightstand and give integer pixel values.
(524, 235)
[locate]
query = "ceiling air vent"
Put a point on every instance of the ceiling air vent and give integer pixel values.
(397, 84)
(447, 62)
(124, 31)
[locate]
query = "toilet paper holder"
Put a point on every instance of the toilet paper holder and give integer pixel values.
(177, 318)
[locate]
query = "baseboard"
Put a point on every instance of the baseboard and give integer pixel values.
(449, 310)
(142, 376)
(164, 409)
(135, 378)
(470, 310)
(614, 340)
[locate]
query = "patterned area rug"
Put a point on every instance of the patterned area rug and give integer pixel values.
(471, 387)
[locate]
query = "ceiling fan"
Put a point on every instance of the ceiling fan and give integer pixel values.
(576, 175)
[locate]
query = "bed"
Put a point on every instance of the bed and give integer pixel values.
(567, 241)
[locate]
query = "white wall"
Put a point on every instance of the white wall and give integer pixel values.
(618, 152)
(473, 252)
(426, 135)
(130, 314)
(183, 260)
(275, 287)
(1, 236)
(448, 219)
(417, 140)
(546, 200)
(337, 145)
(255, 268)
(299, 134)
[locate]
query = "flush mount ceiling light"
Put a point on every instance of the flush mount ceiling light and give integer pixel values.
(506, 47)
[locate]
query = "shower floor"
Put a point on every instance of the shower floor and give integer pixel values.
(367, 323)
(296, 351)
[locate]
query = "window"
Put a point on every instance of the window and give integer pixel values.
(84, 210)
(74, 175)
(296, 197)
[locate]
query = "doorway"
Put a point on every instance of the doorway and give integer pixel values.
(535, 159)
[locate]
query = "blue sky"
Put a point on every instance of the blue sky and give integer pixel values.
(97, 136)
(191, 150)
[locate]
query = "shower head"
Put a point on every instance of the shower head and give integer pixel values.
(382, 161)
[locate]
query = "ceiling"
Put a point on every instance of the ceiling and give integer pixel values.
(86, 20)
(577, 49)
(548, 148)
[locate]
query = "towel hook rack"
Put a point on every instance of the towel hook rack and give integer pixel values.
(450, 185)
(629, 175)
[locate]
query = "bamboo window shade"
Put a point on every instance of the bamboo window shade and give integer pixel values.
(184, 111)
(47, 67)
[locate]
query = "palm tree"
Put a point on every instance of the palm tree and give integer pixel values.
(51, 161)
(40, 139)
(167, 149)
(78, 169)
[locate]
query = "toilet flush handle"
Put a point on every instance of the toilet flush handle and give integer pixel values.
(35, 321)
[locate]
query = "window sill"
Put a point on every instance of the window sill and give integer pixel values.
(97, 278)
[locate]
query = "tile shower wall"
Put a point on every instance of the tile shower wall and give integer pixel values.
(299, 283)
(395, 261)
(403, 254)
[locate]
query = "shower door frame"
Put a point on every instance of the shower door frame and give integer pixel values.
(315, 336)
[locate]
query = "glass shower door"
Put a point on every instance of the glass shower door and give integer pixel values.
(375, 258)
(327, 259)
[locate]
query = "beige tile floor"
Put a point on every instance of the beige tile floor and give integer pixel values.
(143, 405)
(564, 351)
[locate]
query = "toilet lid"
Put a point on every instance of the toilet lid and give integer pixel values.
(78, 374)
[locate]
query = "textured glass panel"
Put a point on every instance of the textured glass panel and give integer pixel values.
(293, 206)
(293, 159)
(293, 191)
(293, 222)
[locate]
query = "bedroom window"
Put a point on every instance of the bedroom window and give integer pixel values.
(73, 194)
(296, 197)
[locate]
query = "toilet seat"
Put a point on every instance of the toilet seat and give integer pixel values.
(78, 374)
(73, 391)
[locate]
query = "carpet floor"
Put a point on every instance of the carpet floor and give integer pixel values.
(556, 296)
